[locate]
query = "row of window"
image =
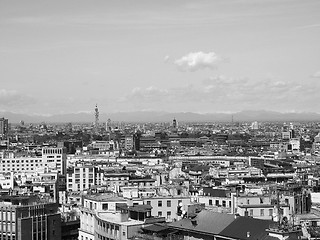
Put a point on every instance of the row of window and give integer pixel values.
(77, 170)
(17, 161)
(168, 214)
(160, 203)
(82, 238)
(217, 203)
(52, 151)
(261, 212)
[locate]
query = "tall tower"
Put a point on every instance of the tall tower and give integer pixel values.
(96, 116)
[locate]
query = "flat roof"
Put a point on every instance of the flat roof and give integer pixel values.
(115, 218)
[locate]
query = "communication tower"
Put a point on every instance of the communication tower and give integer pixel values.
(96, 115)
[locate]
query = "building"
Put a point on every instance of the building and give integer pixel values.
(101, 145)
(82, 177)
(128, 142)
(115, 180)
(55, 158)
(257, 162)
(215, 198)
(170, 207)
(4, 128)
(21, 165)
(219, 226)
(25, 218)
(115, 226)
(93, 204)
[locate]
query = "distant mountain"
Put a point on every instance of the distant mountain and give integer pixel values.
(154, 116)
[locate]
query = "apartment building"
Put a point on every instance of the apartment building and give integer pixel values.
(115, 226)
(24, 218)
(170, 207)
(83, 176)
(52, 158)
(55, 158)
(215, 198)
(92, 204)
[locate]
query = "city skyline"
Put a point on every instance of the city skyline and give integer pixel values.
(175, 56)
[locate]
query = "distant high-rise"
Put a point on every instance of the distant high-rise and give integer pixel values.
(174, 123)
(4, 127)
(108, 125)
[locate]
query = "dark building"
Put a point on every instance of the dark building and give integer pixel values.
(26, 218)
(4, 128)
(70, 230)
(71, 146)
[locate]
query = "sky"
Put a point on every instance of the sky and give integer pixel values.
(204, 56)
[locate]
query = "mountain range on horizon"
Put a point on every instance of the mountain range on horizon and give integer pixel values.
(154, 116)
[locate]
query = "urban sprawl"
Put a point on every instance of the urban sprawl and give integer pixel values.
(176, 180)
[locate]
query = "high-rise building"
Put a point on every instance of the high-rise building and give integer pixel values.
(4, 128)
(174, 123)
(108, 125)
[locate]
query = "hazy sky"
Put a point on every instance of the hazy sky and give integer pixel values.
(199, 56)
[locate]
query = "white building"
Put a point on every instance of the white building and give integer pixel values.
(82, 177)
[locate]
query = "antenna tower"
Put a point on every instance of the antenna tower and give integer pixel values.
(96, 115)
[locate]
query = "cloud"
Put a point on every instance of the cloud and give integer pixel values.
(316, 74)
(198, 60)
(222, 93)
(12, 98)
(166, 58)
(150, 94)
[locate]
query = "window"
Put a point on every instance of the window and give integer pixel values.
(224, 203)
(105, 206)
(149, 203)
(270, 212)
(210, 201)
(261, 212)
(168, 203)
(159, 214)
(217, 203)
(168, 214)
(160, 203)
(248, 201)
(123, 233)
(251, 212)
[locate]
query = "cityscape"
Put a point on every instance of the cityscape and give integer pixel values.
(159, 120)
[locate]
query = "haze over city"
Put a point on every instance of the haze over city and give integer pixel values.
(174, 56)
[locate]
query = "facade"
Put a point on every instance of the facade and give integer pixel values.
(101, 145)
(4, 128)
(21, 218)
(94, 204)
(21, 165)
(115, 226)
(116, 180)
(55, 158)
(170, 207)
(52, 158)
(83, 177)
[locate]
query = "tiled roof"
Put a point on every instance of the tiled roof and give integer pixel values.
(205, 222)
(247, 228)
